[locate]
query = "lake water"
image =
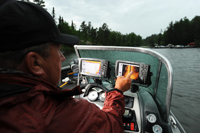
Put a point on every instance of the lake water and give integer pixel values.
(186, 89)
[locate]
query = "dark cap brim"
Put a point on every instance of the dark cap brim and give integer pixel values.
(67, 39)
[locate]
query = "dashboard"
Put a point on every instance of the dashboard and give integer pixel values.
(141, 112)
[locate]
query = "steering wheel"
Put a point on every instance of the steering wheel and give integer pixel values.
(88, 88)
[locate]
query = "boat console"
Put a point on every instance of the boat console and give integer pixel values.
(94, 69)
(147, 103)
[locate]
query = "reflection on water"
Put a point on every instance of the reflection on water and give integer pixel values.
(186, 88)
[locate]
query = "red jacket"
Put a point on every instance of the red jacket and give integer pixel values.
(32, 105)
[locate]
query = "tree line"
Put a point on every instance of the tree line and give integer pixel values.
(99, 36)
(179, 33)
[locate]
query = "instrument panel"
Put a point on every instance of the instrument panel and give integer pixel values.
(97, 70)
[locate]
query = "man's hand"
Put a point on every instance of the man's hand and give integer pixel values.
(123, 83)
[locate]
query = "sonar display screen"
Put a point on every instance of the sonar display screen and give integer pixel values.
(91, 67)
(124, 69)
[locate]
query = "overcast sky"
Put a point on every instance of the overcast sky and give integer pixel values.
(143, 17)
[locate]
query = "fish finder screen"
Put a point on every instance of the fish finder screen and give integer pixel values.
(91, 67)
(124, 69)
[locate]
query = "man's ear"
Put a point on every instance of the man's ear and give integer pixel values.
(33, 62)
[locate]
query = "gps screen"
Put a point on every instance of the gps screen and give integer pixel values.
(124, 69)
(91, 67)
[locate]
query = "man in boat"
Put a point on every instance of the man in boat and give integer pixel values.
(30, 69)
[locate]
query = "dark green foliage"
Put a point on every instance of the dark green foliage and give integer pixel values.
(83, 31)
(195, 27)
(104, 36)
(73, 26)
(66, 29)
(53, 14)
(179, 33)
(197, 43)
(152, 40)
(93, 35)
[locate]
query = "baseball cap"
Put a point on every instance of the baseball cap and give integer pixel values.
(25, 24)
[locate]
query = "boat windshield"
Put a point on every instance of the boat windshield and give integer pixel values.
(161, 87)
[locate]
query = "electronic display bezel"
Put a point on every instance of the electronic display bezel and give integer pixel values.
(144, 74)
(102, 71)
